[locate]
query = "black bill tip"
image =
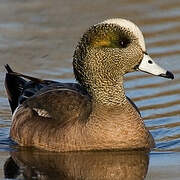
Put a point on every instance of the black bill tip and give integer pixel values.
(168, 75)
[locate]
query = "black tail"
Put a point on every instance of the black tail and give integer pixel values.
(14, 86)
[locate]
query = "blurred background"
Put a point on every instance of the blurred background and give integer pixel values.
(38, 38)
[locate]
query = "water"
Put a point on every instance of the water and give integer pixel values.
(38, 37)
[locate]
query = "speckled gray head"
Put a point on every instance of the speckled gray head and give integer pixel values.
(147, 64)
(110, 49)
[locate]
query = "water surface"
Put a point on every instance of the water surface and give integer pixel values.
(38, 38)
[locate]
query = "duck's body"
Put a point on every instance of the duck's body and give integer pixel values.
(95, 113)
(62, 117)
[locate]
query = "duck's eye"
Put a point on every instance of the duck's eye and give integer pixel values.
(123, 43)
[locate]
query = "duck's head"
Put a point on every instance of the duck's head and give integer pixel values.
(109, 50)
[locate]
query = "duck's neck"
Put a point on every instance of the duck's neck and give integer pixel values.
(109, 93)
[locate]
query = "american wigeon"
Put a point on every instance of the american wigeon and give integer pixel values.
(93, 114)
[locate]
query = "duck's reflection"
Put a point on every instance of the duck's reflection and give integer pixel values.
(129, 165)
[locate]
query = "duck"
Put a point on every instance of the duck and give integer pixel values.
(94, 113)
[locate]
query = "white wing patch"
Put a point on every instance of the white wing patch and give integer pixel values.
(129, 26)
(42, 112)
